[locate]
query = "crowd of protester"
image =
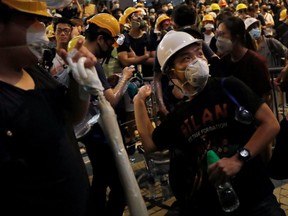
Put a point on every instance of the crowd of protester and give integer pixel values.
(159, 42)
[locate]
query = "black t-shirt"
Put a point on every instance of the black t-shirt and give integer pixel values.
(42, 171)
(138, 46)
(207, 122)
(251, 69)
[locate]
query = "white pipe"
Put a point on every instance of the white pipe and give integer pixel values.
(110, 127)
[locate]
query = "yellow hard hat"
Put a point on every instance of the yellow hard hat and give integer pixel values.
(128, 12)
(50, 31)
(139, 5)
(283, 15)
(106, 21)
(160, 19)
(208, 17)
(72, 43)
(122, 20)
(29, 6)
(215, 6)
(131, 10)
(241, 6)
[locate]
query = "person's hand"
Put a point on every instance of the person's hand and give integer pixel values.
(82, 61)
(127, 72)
(223, 168)
(78, 52)
(86, 77)
(146, 52)
(131, 53)
(143, 92)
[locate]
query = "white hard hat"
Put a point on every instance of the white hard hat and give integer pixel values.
(172, 42)
(249, 21)
(213, 14)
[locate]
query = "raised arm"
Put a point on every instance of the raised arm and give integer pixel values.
(143, 122)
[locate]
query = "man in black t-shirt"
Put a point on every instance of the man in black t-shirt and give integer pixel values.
(211, 118)
(139, 46)
(101, 36)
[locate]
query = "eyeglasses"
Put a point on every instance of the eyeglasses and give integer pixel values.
(120, 39)
(65, 30)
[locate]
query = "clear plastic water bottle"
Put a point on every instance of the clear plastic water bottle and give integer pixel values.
(227, 197)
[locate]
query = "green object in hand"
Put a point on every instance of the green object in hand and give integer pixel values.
(212, 157)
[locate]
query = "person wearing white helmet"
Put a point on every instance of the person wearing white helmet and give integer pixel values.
(42, 171)
(270, 48)
(207, 119)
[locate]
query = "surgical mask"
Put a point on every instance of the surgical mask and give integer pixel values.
(196, 74)
(224, 45)
(209, 26)
(255, 33)
(36, 39)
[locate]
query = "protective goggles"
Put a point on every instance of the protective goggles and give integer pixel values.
(119, 40)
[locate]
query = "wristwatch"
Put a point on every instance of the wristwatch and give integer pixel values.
(244, 154)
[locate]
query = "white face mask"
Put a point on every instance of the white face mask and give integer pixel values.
(209, 26)
(196, 74)
(36, 39)
(224, 45)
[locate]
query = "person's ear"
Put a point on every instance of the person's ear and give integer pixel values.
(100, 38)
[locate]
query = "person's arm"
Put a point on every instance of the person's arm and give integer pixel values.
(77, 98)
(159, 93)
(157, 75)
(79, 9)
(129, 58)
(114, 95)
(266, 131)
(150, 60)
(143, 122)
